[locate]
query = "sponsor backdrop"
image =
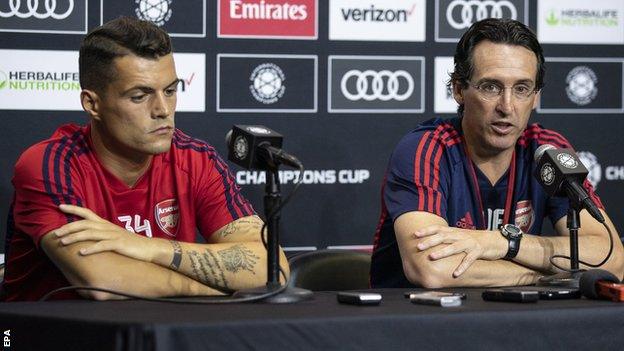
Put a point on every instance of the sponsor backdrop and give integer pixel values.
(342, 80)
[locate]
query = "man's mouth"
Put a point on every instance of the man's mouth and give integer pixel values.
(502, 127)
(162, 130)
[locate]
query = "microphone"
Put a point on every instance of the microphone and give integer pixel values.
(257, 147)
(562, 173)
(601, 284)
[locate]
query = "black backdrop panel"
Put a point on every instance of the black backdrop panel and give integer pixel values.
(345, 147)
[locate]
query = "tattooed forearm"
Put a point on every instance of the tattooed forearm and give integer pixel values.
(238, 257)
(206, 269)
(177, 256)
(242, 226)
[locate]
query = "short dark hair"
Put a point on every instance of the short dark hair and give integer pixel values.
(500, 31)
(117, 38)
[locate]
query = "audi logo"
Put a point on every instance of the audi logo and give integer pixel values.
(469, 15)
(377, 81)
(34, 11)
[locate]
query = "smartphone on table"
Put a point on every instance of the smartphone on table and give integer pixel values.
(436, 298)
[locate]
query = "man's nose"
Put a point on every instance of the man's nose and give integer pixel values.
(505, 102)
(160, 108)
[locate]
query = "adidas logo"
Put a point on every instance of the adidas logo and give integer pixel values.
(465, 222)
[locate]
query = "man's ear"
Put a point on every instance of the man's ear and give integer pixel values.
(90, 101)
(458, 93)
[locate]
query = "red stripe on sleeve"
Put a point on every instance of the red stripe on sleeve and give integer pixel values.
(427, 175)
(417, 180)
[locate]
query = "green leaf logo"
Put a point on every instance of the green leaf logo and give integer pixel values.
(551, 19)
(3, 80)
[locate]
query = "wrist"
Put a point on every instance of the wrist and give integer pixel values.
(160, 251)
(497, 245)
(502, 245)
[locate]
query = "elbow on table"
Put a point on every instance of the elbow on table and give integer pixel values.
(421, 271)
(100, 281)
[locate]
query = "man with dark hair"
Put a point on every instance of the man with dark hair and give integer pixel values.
(116, 204)
(460, 205)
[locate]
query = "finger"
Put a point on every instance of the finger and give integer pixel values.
(435, 240)
(466, 263)
(100, 246)
(77, 226)
(84, 235)
(450, 250)
(79, 211)
(427, 231)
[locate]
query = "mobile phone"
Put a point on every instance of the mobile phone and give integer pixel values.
(359, 298)
(551, 293)
(436, 298)
(510, 295)
(408, 293)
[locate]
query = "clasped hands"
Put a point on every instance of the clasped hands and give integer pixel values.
(449, 241)
(107, 236)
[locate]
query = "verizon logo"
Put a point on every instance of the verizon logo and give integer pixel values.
(267, 11)
(373, 14)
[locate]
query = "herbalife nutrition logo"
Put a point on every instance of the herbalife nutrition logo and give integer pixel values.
(583, 17)
(39, 81)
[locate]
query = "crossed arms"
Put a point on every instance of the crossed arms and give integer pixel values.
(95, 252)
(435, 255)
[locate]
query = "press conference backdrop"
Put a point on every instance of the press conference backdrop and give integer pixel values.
(342, 80)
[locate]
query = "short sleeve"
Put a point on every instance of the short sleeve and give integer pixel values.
(44, 177)
(218, 200)
(417, 176)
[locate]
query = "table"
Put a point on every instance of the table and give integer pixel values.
(318, 324)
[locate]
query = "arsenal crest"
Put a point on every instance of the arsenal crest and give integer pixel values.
(524, 215)
(167, 213)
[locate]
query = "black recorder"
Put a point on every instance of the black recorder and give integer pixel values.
(510, 295)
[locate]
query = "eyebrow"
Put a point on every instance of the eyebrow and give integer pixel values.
(147, 89)
(490, 80)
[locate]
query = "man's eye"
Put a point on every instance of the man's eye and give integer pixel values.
(521, 89)
(138, 98)
(171, 91)
(490, 88)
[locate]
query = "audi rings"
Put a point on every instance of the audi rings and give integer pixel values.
(33, 7)
(378, 80)
(469, 16)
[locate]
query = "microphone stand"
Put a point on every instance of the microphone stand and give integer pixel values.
(569, 279)
(272, 202)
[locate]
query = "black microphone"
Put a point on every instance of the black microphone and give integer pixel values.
(562, 173)
(601, 284)
(257, 147)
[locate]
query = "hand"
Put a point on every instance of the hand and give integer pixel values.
(476, 244)
(108, 236)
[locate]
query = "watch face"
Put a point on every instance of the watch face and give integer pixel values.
(512, 230)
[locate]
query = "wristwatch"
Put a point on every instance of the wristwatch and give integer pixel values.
(513, 233)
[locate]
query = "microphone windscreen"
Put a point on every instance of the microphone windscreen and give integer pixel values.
(540, 151)
(588, 281)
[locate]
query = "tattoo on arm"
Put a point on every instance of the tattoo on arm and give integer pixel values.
(206, 269)
(238, 257)
(177, 255)
(241, 226)
(209, 268)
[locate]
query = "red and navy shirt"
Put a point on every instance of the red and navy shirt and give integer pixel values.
(186, 189)
(430, 171)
